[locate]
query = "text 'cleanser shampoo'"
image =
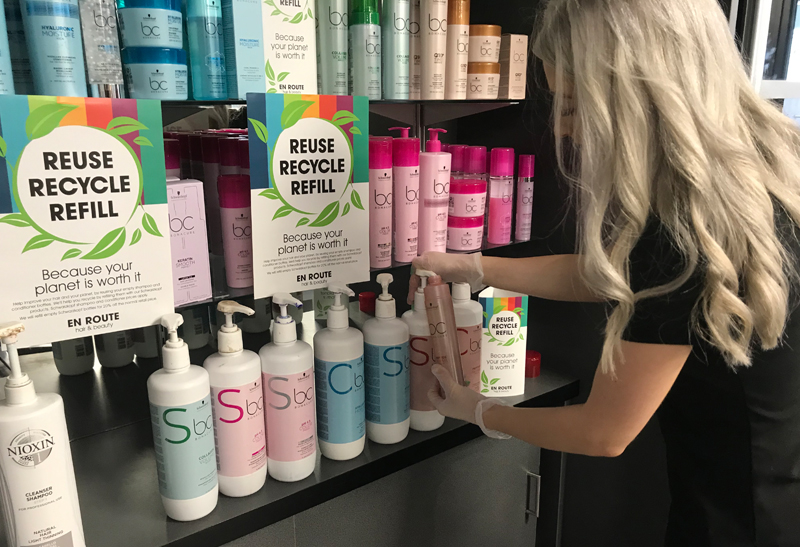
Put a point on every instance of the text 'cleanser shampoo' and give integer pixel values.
(386, 368)
(339, 370)
(238, 408)
(39, 495)
(183, 430)
(287, 366)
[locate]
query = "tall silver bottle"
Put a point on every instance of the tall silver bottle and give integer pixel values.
(332, 62)
(365, 49)
(101, 46)
(395, 44)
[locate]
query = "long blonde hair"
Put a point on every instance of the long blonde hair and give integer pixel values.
(669, 125)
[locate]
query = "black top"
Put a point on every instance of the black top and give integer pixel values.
(732, 436)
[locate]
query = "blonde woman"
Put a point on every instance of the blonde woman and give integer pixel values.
(688, 193)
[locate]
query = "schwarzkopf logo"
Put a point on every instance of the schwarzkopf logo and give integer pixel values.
(31, 447)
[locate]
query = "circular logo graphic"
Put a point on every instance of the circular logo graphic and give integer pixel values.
(504, 325)
(31, 447)
(77, 182)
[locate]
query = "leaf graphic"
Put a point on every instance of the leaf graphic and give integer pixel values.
(355, 130)
(276, 12)
(269, 3)
(3, 147)
(494, 381)
(343, 117)
(310, 14)
(293, 112)
(486, 316)
(270, 72)
(484, 391)
(270, 193)
(521, 337)
(282, 212)
(517, 310)
(282, 76)
(486, 333)
(44, 119)
(72, 253)
(498, 306)
(112, 242)
(122, 125)
(285, 19)
(484, 378)
(297, 18)
(150, 226)
(346, 209)
(260, 129)
(510, 342)
(37, 242)
(16, 219)
(137, 235)
(328, 215)
(302, 222)
(272, 90)
(356, 199)
(142, 141)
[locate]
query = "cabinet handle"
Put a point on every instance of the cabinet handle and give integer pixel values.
(537, 484)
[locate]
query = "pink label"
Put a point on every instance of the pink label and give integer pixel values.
(499, 220)
(239, 429)
(422, 379)
(380, 218)
(469, 344)
(290, 415)
(238, 244)
(467, 205)
(464, 239)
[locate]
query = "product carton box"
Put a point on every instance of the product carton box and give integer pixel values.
(290, 40)
(513, 66)
(244, 47)
(505, 331)
(191, 277)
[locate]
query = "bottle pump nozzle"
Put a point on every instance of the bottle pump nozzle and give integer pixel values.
(385, 306)
(423, 278)
(434, 144)
(338, 317)
(175, 351)
(284, 330)
(403, 131)
(19, 388)
(229, 337)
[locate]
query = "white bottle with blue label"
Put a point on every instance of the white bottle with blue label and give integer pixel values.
(339, 371)
(183, 430)
(386, 370)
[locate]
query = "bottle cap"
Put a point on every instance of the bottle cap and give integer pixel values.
(364, 12)
(19, 388)
(229, 336)
(338, 317)
(465, 222)
(210, 144)
(174, 5)
(533, 364)
(175, 352)
(459, 153)
(526, 162)
(153, 56)
(458, 12)
(244, 154)
(234, 191)
(229, 152)
(385, 306)
(483, 68)
(366, 302)
(462, 291)
(380, 152)
(284, 330)
(502, 162)
(434, 144)
(485, 30)
(403, 131)
(405, 150)
(172, 153)
(196, 147)
(476, 159)
(468, 186)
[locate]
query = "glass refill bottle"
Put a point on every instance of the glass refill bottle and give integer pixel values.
(207, 50)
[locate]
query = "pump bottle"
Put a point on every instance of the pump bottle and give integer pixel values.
(237, 402)
(434, 195)
(287, 366)
(36, 463)
(380, 202)
(339, 370)
(405, 195)
(386, 370)
(183, 430)
(442, 326)
(424, 416)
(469, 325)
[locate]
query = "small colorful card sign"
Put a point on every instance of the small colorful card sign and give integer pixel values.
(84, 229)
(309, 179)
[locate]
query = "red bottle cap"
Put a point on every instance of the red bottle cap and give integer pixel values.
(366, 302)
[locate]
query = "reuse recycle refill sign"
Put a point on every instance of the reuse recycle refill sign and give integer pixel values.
(309, 183)
(84, 234)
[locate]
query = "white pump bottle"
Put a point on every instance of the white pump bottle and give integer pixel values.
(339, 370)
(287, 366)
(238, 408)
(424, 416)
(39, 495)
(386, 370)
(183, 430)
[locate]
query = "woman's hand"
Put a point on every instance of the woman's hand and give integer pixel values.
(458, 268)
(459, 402)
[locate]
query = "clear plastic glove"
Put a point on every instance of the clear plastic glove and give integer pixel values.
(458, 268)
(459, 402)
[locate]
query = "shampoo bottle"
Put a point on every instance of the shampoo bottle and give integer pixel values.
(405, 193)
(207, 50)
(469, 322)
(74, 357)
(234, 208)
(414, 53)
(434, 44)
(332, 34)
(364, 55)
(434, 195)
(6, 70)
(457, 50)
(287, 366)
(424, 416)
(101, 44)
(114, 349)
(386, 368)
(501, 196)
(380, 202)
(238, 408)
(524, 198)
(183, 430)
(339, 371)
(442, 326)
(395, 45)
(39, 494)
(20, 61)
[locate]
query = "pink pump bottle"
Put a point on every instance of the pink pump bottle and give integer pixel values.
(380, 202)
(524, 198)
(442, 326)
(234, 201)
(501, 196)
(405, 159)
(434, 190)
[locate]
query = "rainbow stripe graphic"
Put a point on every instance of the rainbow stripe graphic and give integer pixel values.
(492, 306)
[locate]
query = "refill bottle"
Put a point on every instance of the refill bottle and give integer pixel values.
(469, 322)
(339, 370)
(183, 430)
(75, 356)
(56, 55)
(207, 49)
(386, 370)
(364, 53)
(39, 494)
(442, 326)
(434, 195)
(433, 15)
(524, 198)
(234, 208)
(114, 349)
(457, 50)
(101, 45)
(20, 61)
(287, 366)
(6, 70)
(380, 202)
(332, 35)
(424, 416)
(501, 196)
(237, 404)
(405, 195)
(414, 53)
(395, 46)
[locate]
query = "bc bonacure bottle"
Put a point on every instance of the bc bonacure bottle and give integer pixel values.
(405, 159)
(501, 196)
(365, 49)
(524, 197)
(101, 44)
(332, 35)
(207, 50)
(395, 45)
